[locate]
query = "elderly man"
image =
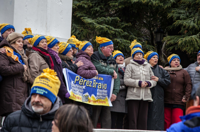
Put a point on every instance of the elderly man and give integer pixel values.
(38, 110)
(194, 72)
(105, 64)
(5, 30)
(190, 122)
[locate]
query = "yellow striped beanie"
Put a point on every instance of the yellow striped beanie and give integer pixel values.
(135, 44)
(27, 33)
(117, 53)
(149, 55)
(51, 41)
(136, 50)
(64, 48)
(171, 57)
(103, 41)
(5, 26)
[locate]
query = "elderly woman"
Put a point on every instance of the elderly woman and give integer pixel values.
(53, 47)
(87, 70)
(71, 118)
(119, 109)
(156, 108)
(66, 54)
(138, 79)
(178, 92)
(39, 59)
(15, 72)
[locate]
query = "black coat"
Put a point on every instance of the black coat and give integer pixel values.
(156, 108)
(67, 63)
(26, 120)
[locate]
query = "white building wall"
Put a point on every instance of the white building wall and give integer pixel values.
(45, 17)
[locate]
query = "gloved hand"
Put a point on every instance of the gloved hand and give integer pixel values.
(67, 95)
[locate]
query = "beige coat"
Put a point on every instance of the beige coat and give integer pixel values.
(127, 60)
(133, 74)
(36, 64)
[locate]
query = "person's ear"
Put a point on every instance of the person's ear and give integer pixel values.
(196, 101)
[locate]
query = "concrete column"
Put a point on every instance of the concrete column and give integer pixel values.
(45, 17)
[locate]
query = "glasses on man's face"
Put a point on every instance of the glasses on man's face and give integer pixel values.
(110, 47)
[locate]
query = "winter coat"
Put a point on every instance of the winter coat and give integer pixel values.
(133, 74)
(120, 105)
(58, 69)
(106, 65)
(26, 120)
(180, 86)
(67, 63)
(87, 70)
(156, 108)
(13, 88)
(36, 64)
(190, 122)
(195, 77)
(127, 60)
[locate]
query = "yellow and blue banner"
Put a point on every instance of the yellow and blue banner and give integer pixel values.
(94, 91)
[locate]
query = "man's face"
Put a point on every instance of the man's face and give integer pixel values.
(107, 50)
(198, 58)
(40, 104)
(7, 32)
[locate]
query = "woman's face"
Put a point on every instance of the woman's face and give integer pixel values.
(154, 60)
(119, 59)
(70, 53)
(55, 48)
(54, 128)
(18, 45)
(175, 62)
(89, 50)
(43, 44)
(138, 56)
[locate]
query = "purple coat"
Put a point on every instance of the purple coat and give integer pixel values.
(87, 70)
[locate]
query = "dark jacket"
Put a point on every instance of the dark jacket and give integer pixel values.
(1, 38)
(13, 88)
(67, 63)
(26, 120)
(180, 86)
(120, 105)
(87, 70)
(58, 69)
(190, 122)
(156, 108)
(106, 65)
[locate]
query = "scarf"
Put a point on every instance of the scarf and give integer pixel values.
(55, 54)
(14, 55)
(121, 68)
(45, 53)
(139, 61)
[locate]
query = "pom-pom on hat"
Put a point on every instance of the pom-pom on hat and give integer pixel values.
(117, 53)
(136, 50)
(47, 84)
(5, 26)
(12, 38)
(73, 41)
(64, 48)
(51, 41)
(36, 40)
(83, 45)
(171, 57)
(135, 44)
(103, 41)
(27, 33)
(150, 54)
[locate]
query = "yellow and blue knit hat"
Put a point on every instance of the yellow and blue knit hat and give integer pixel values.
(36, 40)
(5, 26)
(150, 54)
(171, 57)
(27, 33)
(64, 48)
(135, 44)
(136, 50)
(51, 41)
(117, 53)
(47, 84)
(103, 41)
(73, 41)
(83, 45)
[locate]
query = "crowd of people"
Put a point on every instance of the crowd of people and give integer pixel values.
(145, 95)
